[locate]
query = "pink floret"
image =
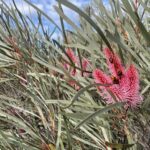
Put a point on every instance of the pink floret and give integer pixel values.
(114, 62)
(73, 71)
(70, 53)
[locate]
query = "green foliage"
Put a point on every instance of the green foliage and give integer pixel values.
(39, 109)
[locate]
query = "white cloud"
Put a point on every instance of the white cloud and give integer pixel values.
(24, 7)
(80, 3)
(57, 35)
(47, 7)
(71, 14)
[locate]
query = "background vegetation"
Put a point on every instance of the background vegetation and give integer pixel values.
(39, 109)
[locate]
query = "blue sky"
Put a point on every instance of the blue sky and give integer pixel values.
(47, 7)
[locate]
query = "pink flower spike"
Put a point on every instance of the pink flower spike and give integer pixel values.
(85, 63)
(133, 96)
(114, 63)
(73, 84)
(133, 77)
(125, 88)
(73, 71)
(71, 55)
(100, 77)
(85, 66)
(74, 59)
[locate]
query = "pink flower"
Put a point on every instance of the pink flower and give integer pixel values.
(71, 55)
(85, 66)
(124, 82)
(73, 71)
(114, 62)
(74, 60)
